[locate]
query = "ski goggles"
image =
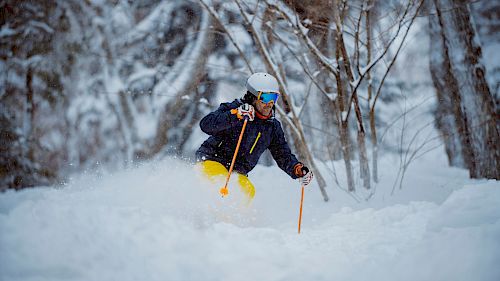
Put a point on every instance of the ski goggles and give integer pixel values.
(267, 97)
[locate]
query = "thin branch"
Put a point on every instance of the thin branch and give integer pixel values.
(214, 14)
(382, 55)
(356, 41)
(299, 29)
(397, 53)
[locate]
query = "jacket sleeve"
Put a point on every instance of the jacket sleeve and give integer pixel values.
(281, 152)
(219, 120)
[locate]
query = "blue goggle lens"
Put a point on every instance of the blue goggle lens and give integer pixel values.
(267, 97)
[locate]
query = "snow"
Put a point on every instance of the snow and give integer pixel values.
(41, 25)
(239, 34)
(145, 128)
(161, 221)
(5, 31)
(344, 115)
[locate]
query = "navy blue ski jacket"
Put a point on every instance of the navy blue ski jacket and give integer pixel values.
(224, 129)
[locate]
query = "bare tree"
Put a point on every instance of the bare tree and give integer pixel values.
(347, 69)
(466, 113)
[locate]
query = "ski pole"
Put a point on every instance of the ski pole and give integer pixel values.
(301, 201)
(223, 191)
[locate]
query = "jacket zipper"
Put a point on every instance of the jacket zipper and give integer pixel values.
(256, 140)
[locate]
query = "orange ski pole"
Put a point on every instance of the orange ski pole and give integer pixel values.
(301, 201)
(223, 191)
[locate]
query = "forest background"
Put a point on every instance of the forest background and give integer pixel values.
(102, 85)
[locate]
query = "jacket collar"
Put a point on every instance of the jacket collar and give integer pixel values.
(262, 117)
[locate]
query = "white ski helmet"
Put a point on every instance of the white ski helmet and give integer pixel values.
(262, 82)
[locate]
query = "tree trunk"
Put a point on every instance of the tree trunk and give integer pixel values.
(29, 118)
(374, 141)
(363, 157)
(185, 82)
(345, 138)
(346, 149)
(466, 111)
(373, 128)
(447, 91)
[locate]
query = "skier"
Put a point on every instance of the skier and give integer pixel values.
(262, 132)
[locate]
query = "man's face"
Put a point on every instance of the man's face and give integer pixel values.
(264, 108)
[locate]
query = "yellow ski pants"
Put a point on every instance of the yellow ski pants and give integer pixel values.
(214, 170)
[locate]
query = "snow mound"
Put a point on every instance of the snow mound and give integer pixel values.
(162, 222)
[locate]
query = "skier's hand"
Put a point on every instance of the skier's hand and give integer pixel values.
(245, 110)
(305, 176)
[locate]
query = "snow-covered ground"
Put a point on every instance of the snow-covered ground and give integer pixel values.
(160, 221)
